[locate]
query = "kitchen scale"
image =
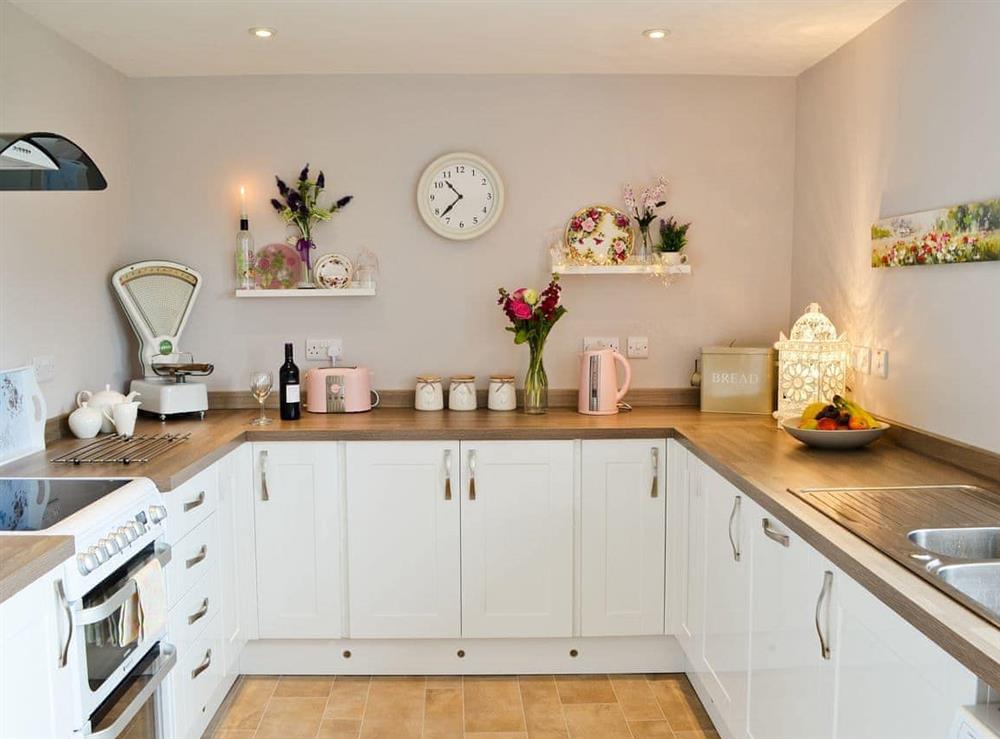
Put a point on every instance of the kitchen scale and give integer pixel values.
(157, 297)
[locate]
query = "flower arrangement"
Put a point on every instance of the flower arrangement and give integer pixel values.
(299, 207)
(532, 315)
(644, 209)
(673, 236)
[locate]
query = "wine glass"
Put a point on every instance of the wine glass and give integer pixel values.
(260, 388)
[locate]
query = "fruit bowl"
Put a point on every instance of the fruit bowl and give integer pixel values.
(838, 439)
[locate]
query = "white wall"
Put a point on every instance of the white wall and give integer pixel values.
(58, 249)
(902, 119)
(560, 142)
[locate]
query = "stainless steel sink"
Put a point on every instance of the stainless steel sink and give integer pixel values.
(981, 542)
(979, 581)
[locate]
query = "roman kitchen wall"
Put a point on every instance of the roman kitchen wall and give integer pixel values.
(57, 249)
(897, 121)
(559, 142)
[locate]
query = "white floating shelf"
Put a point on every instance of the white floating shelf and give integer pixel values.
(343, 292)
(622, 269)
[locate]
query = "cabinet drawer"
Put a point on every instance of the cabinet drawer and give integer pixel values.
(197, 674)
(191, 503)
(193, 556)
(196, 608)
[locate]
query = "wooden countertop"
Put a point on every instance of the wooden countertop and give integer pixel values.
(26, 557)
(749, 451)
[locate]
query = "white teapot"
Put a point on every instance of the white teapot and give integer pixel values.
(85, 422)
(106, 398)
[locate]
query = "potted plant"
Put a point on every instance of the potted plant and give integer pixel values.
(673, 239)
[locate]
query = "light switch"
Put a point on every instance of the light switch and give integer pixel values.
(637, 347)
(863, 359)
(880, 363)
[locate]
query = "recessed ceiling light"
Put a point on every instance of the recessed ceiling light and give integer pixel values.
(655, 33)
(262, 31)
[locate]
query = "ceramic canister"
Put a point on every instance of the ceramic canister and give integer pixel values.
(462, 393)
(502, 396)
(429, 395)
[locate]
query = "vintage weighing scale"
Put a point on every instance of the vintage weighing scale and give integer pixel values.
(157, 297)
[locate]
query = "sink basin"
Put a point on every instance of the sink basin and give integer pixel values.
(979, 581)
(981, 542)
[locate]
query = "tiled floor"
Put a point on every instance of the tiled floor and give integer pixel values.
(535, 707)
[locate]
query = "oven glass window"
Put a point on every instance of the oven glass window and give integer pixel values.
(144, 725)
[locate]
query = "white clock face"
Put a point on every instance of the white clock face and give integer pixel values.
(460, 196)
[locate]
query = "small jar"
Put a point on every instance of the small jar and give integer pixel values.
(429, 395)
(462, 393)
(502, 396)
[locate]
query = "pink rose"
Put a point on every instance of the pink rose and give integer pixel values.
(574, 225)
(621, 221)
(264, 264)
(519, 293)
(588, 225)
(594, 213)
(521, 309)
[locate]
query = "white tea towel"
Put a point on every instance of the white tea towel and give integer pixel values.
(151, 589)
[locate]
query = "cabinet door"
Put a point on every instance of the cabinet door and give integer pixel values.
(235, 472)
(691, 612)
(296, 514)
(892, 681)
(622, 531)
(517, 538)
(35, 688)
(404, 547)
(791, 680)
(727, 596)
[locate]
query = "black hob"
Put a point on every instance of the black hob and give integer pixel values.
(37, 504)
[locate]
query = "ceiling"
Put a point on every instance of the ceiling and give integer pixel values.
(157, 38)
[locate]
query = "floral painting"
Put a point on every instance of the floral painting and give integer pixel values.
(964, 233)
(598, 234)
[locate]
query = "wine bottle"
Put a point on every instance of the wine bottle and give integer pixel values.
(288, 377)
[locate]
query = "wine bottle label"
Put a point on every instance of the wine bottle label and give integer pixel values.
(291, 393)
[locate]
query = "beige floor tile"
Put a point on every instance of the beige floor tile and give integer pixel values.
(585, 689)
(339, 728)
(233, 734)
(596, 721)
(635, 697)
(397, 699)
(347, 698)
(496, 735)
(443, 713)
(248, 704)
(291, 718)
(542, 707)
(492, 704)
(679, 703)
(650, 729)
(391, 728)
(444, 681)
(699, 734)
(303, 686)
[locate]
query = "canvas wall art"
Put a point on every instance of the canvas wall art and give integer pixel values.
(963, 233)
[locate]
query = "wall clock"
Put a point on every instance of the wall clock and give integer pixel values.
(460, 196)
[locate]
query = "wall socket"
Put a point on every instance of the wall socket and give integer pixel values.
(637, 347)
(880, 363)
(863, 359)
(600, 342)
(45, 367)
(318, 350)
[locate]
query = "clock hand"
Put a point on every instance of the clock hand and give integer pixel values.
(453, 189)
(446, 210)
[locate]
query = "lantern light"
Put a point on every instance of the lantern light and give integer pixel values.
(812, 364)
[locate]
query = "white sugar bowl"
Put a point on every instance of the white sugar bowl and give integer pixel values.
(85, 422)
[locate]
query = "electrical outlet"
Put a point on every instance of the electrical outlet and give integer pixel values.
(863, 359)
(45, 367)
(600, 342)
(880, 362)
(638, 347)
(318, 350)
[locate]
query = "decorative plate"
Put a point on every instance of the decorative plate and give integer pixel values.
(277, 267)
(839, 439)
(333, 271)
(599, 234)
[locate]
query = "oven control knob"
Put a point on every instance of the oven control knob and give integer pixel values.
(99, 554)
(119, 538)
(157, 513)
(129, 533)
(108, 546)
(139, 527)
(87, 562)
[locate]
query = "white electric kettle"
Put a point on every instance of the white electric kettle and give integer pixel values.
(106, 398)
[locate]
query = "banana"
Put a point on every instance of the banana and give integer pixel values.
(811, 411)
(855, 410)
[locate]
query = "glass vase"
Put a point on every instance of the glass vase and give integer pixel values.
(536, 383)
(304, 247)
(644, 250)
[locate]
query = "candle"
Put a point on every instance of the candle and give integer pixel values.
(243, 202)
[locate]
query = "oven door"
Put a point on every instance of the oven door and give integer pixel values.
(133, 709)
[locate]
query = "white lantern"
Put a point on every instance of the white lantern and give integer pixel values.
(812, 364)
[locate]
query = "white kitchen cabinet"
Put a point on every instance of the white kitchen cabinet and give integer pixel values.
(893, 682)
(517, 538)
(404, 545)
(726, 582)
(235, 472)
(297, 531)
(691, 609)
(792, 679)
(36, 689)
(622, 533)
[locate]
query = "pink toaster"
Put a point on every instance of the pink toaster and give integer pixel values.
(340, 390)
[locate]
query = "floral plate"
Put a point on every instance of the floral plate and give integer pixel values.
(333, 271)
(277, 267)
(599, 234)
